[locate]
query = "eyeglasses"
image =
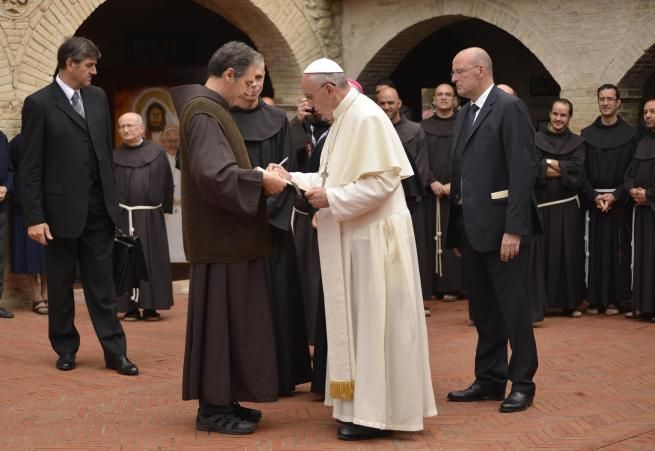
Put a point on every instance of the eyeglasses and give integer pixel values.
(607, 99)
(459, 72)
(128, 126)
(310, 96)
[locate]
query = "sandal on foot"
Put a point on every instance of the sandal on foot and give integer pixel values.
(226, 423)
(40, 307)
(251, 415)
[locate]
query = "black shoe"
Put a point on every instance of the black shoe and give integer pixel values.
(358, 432)
(134, 315)
(227, 423)
(475, 392)
(4, 313)
(150, 315)
(121, 364)
(66, 362)
(516, 402)
(251, 415)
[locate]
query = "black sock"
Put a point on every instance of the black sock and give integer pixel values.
(207, 409)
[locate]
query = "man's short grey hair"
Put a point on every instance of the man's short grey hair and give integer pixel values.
(236, 55)
(338, 79)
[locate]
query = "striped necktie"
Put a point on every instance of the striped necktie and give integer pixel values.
(77, 104)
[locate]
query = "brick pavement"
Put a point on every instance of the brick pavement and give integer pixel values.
(595, 389)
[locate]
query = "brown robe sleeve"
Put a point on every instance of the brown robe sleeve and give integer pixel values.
(215, 170)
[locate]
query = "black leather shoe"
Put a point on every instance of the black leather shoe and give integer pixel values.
(516, 402)
(66, 362)
(122, 364)
(475, 392)
(247, 414)
(226, 423)
(4, 313)
(358, 432)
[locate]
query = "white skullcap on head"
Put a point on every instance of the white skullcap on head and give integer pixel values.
(323, 66)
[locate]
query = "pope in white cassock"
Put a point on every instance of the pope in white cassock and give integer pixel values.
(378, 365)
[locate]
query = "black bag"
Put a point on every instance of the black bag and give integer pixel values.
(129, 263)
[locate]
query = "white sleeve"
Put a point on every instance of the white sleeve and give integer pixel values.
(306, 180)
(352, 200)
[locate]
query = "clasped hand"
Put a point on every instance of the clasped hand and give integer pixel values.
(605, 201)
(638, 195)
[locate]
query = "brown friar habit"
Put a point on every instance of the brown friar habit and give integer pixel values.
(413, 139)
(143, 178)
(307, 139)
(265, 130)
(562, 221)
(230, 352)
(641, 174)
(439, 136)
(609, 153)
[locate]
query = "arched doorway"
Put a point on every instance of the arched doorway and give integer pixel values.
(156, 43)
(420, 57)
(638, 85)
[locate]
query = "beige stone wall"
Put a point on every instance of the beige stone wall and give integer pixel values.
(581, 43)
(290, 33)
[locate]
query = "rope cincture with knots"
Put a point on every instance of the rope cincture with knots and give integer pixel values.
(135, 291)
(438, 244)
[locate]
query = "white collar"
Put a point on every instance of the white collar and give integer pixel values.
(67, 89)
(483, 97)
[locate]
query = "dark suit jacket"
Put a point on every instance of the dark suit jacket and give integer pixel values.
(498, 155)
(56, 157)
(6, 170)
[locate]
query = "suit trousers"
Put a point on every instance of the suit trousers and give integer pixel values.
(500, 307)
(93, 249)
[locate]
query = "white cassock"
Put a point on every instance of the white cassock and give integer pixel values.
(174, 220)
(378, 363)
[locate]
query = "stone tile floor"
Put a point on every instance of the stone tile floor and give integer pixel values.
(595, 390)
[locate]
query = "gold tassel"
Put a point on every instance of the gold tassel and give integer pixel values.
(342, 390)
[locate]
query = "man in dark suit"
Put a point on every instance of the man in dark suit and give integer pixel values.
(6, 186)
(494, 170)
(69, 202)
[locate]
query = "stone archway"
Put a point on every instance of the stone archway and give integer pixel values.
(287, 33)
(637, 84)
(398, 31)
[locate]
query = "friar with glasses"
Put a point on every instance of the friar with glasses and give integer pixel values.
(144, 182)
(230, 349)
(378, 376)
(610, 146)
